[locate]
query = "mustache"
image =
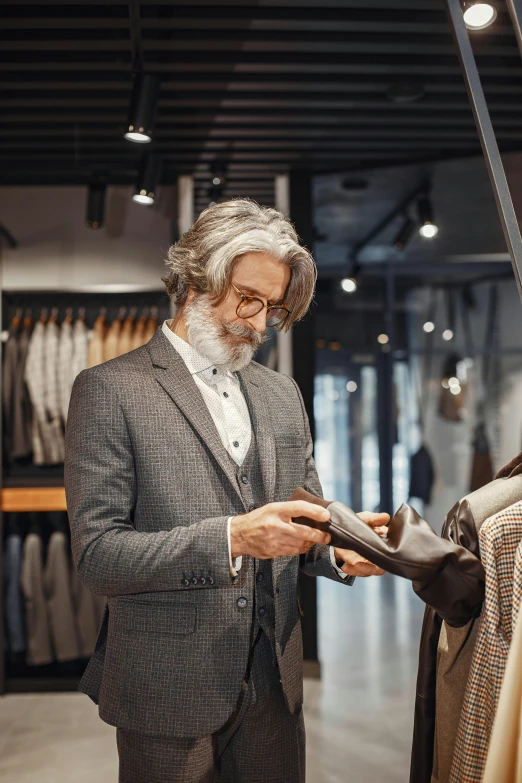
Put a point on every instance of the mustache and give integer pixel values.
(256, 339)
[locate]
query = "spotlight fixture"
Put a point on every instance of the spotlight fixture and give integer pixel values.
(383, 339)
(148, 179)
(351, 386)
(427, 229)
(429, 326)
(95, 212)
(142, 109)
(404, 233)
(447, 335)
(349, 284)
(478, 15)
(406, 92)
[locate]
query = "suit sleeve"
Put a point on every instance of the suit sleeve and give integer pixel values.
(317, 561)
(111, 556)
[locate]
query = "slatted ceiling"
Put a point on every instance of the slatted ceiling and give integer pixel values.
(266, 86)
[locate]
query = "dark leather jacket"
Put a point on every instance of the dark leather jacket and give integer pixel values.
(445, 572)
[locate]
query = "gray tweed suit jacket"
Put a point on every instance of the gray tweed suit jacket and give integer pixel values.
(149, 488)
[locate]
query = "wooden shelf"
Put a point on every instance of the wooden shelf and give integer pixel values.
(33, 499)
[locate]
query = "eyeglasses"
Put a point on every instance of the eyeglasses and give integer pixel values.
(249, 306)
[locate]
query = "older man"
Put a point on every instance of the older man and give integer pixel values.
(180, 459)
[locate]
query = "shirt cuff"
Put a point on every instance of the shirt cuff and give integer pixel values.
(236, 563)
(332, 559)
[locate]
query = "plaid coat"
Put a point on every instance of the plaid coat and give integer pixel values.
(499, 539)
(150, 487)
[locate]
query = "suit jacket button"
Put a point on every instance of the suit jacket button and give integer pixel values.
(194, 580)
(185, 582)
(242, 602)
(202, 581)
(262, 612)
(211, 580)
(259, 577)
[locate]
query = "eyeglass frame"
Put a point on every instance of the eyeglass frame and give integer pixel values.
(263, 306)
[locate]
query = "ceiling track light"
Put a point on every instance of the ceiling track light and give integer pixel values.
(95, 211)
(478, 15)
(427, 229)
(142, 109)
(404, 234)
(148, 179)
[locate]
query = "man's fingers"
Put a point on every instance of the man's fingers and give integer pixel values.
(362, 569)
(301, 508)
(374, 520)
(309, 533)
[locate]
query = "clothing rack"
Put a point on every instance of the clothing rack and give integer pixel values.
(30, 488)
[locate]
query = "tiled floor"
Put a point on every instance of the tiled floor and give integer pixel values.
(359, 715)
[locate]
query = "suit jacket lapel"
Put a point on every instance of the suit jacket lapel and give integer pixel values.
(172, 374)
(262, 426)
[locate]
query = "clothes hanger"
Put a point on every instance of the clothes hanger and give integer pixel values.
(54, 315)
(43, 315)
(68, 316)
(28, 321)
(15, 323)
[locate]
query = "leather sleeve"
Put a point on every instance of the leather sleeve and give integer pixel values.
(445, 575)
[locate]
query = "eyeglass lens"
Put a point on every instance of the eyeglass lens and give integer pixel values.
(250, 307)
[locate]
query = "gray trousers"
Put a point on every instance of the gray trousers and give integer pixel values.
(260, 743)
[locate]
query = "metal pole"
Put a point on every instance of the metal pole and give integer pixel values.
(515, 12)
(487, 134)
(284, 339)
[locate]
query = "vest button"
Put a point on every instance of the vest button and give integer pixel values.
(185, 582)
(242, 602)
(211, 580)
(194, 580)
(260, 577)
(202, 581)
(262, 612)
(244, 479)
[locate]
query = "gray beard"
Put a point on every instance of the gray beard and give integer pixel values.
(215, 339)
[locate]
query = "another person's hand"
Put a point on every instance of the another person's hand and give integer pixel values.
(354, 564)
(269, 532)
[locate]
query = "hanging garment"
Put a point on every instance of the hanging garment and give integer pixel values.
(96, 342)
(60, 609)
(22, 408)
(481, 469)
(444, 574)
(52, 394)
(499, 538)
(137, 339)
(125, 340)
(80, 358)
(39, 647)
(64, 364)
(44, 448)
(422, 475)
(150, 328)
(88, 610)
(446, 650)
(13, 597)
(504, 759)
(9, 366)
(112, 339)
(510, 417)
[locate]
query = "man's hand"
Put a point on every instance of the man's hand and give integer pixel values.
(354, 564)
(269, 532)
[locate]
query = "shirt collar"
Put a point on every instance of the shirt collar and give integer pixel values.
(195, 362)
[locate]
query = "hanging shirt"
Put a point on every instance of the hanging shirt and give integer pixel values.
(65, 354)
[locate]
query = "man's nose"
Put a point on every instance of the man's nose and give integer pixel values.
(258, 321)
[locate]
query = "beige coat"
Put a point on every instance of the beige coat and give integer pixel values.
(504, 761)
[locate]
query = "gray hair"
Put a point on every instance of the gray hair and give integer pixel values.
(205, 256)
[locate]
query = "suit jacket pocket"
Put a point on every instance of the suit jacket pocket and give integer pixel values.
(168, 618)
(285, 441)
